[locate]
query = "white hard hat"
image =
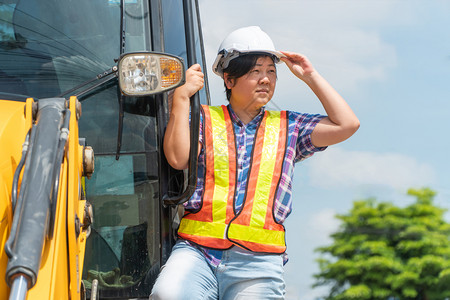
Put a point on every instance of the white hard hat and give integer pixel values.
(243, 40)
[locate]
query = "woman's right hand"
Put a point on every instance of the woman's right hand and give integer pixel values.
(194, 82)
(177, 136)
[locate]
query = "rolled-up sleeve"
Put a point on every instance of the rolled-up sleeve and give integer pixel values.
(305, 124)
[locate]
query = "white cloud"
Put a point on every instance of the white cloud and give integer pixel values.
(339, 168)
(321, 225)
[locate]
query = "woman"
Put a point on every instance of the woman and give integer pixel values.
(232, 239)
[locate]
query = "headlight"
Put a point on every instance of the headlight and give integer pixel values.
(149, 73)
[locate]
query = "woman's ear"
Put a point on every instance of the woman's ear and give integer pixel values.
(229, 82)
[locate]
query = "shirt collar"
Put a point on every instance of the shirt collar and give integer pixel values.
(235, 119)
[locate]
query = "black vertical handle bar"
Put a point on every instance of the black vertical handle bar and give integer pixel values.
(195, 112)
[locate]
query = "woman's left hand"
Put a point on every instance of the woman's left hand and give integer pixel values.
(341, 122)
(299, 64)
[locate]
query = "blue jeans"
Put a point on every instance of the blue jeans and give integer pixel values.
(241, 275)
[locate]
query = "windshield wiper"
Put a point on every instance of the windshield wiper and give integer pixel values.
(86, 86)
(121, 97)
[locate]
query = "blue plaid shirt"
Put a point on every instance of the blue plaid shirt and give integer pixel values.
(299, 148)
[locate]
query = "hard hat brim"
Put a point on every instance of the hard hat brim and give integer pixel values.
(218, 70)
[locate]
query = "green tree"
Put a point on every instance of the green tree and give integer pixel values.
(382, 251)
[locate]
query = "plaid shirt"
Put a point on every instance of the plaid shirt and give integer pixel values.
(299, 148)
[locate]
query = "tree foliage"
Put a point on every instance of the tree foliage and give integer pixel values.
(383, 251)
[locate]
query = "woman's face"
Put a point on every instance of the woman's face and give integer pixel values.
(256, 88)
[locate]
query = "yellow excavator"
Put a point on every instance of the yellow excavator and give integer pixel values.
(78, 77)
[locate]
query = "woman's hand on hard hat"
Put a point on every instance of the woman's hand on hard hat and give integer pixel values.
(341, 122)
(299, 64)
(194, 82)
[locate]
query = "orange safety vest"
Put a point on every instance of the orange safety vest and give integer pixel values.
(216, 225)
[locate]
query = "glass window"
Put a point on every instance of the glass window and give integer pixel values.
(48, 47)
(51, 46)
(137, 25)
(173, 26)
(175, 35)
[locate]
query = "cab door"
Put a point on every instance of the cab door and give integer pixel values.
(133, 231)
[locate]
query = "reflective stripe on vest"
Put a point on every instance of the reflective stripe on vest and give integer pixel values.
(205, 227)
(254, 228)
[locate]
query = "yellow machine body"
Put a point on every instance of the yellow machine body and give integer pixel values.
(63, 254)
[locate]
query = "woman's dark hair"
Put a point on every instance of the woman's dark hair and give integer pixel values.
(240, 66)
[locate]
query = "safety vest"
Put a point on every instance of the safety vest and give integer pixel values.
(215, 224)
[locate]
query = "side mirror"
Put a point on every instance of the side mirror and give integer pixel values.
(147, 73)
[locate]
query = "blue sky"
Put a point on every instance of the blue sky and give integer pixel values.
(391, 61)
